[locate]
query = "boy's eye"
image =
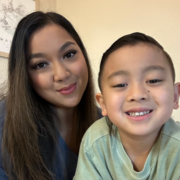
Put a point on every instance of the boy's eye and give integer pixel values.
(154, 81)
(120, 85)
(70, 54)
(40, 65)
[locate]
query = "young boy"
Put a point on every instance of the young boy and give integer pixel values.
(137, 139)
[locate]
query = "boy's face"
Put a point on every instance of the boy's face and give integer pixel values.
(138, 93)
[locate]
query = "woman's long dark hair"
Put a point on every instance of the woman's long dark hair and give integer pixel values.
(30, 133)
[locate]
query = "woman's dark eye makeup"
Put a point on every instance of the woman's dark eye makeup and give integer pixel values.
(40, 65)
(69, 54)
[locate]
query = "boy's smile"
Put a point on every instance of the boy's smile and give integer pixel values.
(139, 114)
(138, 93)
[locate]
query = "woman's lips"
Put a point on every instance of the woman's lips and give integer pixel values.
(68, 90)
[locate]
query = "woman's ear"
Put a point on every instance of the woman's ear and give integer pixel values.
(176, 95)
(100, 100)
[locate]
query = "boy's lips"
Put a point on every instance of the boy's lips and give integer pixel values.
(67, 90)
(139, 114)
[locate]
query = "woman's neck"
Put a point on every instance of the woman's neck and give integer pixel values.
(138, 147)
(68, 127)
(67, 116)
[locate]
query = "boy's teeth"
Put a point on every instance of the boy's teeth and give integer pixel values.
(138, 113)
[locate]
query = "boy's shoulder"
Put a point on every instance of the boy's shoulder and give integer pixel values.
(172, 129)
(96, 131)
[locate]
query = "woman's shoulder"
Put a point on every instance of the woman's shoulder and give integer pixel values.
(2, 116)
(2, 111)
(3, 175)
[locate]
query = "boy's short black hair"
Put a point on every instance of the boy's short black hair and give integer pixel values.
(133, 39)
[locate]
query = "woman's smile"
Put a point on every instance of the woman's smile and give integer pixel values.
(67, 90)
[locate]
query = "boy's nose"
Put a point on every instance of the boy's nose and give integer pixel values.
(137, 92)
(60, 71)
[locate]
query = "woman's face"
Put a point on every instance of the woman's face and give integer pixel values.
(57, 67)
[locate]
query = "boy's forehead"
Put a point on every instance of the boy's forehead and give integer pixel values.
(136, 56)
(139, 49)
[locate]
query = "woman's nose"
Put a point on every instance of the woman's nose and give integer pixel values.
(60, 71)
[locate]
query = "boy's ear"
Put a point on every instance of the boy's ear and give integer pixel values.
(176, 95)
(100, 100)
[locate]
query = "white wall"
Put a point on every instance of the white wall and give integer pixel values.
(101, 22)
(43, 5)
(3, 70)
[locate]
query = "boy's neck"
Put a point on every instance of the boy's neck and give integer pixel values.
(138, 147)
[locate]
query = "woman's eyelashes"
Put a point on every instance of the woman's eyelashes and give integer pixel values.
(43, 64)
(40, 65)
(70, 54)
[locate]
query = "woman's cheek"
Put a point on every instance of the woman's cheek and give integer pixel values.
(43, 80)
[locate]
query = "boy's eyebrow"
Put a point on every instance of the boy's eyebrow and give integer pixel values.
(126, 73)
(120, 72)
(156, 67)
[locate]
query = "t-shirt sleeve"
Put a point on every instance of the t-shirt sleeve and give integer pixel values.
(86, 169)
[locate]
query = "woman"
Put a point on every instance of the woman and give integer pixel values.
(50, 100)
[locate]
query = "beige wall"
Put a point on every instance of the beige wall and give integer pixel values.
(46, 5)
(43, 5)
(101, 22)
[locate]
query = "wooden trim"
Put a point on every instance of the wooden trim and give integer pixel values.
(4, 54)
(37, 4)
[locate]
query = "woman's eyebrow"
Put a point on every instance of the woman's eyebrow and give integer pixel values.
(42, 55)
(65, 45)
(36, 55)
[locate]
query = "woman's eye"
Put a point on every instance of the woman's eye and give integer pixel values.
(154, 81)
(120, 85)
(40, 65)
(69, 54)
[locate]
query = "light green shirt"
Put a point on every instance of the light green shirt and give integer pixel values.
(102, 156)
